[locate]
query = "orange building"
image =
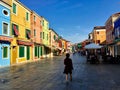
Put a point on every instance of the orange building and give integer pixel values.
(36, 29)
(99, 35)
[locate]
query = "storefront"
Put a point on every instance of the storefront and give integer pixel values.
(5, 50)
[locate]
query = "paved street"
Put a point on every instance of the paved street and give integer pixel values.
(48, 75)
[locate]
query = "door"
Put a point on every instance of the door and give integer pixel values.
(14, 55)
(38, 52)
(28, 52)
(41, 51)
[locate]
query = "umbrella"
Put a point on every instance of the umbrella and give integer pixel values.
(92, 46)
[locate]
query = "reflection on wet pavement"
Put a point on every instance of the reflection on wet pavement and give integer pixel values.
(48, 75)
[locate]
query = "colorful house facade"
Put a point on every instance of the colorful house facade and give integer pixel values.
(46, 37)
(99, 35)
(64, 45)
(110, 33)
(21, 46)
(36, 29)
(54, 42)
(117, 37)
(5, 38)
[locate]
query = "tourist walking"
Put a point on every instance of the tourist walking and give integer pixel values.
(68, 66)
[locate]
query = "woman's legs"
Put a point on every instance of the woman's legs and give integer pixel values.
(66, 77)
(70, 77)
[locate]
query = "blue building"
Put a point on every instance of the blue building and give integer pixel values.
(5, 38)
(117, 37)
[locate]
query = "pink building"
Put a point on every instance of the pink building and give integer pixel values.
(36, 28)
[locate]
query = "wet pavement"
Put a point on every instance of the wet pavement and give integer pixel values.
(48, 74)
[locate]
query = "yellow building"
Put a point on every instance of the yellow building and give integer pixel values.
(21, 47)
(99, 35)
(46, 38)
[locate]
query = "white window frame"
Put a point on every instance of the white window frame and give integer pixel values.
(7, 11)
(8, 28)
(7, 52)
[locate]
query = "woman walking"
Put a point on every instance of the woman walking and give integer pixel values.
(68, 66)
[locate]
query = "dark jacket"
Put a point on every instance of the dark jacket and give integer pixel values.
(68, 64)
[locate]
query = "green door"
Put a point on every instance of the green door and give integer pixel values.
(35, 51)
(41, 51)
(28, 53)
(38, 52)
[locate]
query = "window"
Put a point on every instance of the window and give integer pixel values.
(21, 51)
(34, 32)
(47, 25)
(54, 37)
(5, 52)
(34, 18)
(15, 30)
(43, 23)
(47, 36)
(97, 32)
(5, 28)
(43, 35)
(28, 34)
(14, 8)
(40, 34)
(5, 12)
(98, 41)
(27, 16)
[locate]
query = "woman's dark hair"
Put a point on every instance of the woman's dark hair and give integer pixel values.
(67, 55)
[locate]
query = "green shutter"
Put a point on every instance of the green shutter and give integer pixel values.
(12, 29)
(47, 36)
(21, 51)
(43, 35)
(27, 16)
(5, 52)
(38, 52)
(40, 34)
(54, 37)
(28, 53)
(35, 51)
(14, 8)
(41, 51)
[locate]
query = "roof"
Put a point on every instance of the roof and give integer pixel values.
(99, 27)
(53, 31)
(113, 15)
(5, 3)
(22, 5)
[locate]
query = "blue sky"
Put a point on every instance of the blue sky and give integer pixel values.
(74, 19)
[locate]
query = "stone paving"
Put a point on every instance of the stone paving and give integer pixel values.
(48, 74)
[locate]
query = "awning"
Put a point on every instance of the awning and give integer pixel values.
(6, 38)
(16, 30)
(20, 42)
(93, 46)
